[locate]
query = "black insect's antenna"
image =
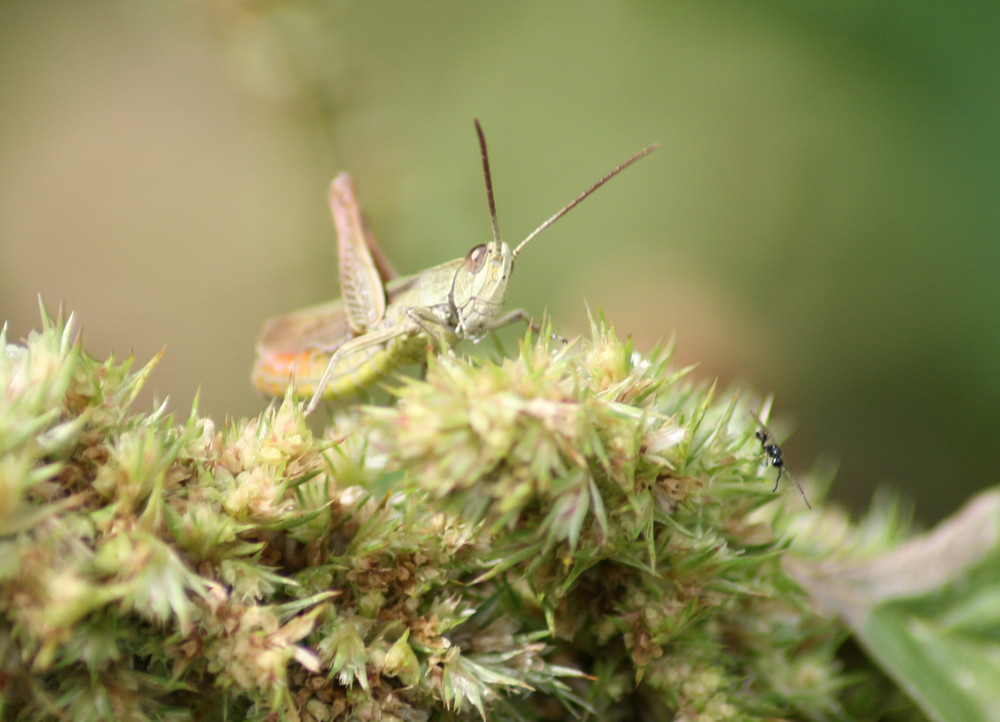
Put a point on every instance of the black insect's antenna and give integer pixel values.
(489, 181)
(773, 453)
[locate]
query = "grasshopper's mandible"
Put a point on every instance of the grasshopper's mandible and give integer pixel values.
(339, 348)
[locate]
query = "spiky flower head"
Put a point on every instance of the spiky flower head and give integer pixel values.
(575, 528)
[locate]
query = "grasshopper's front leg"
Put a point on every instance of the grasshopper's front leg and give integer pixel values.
(519, 315)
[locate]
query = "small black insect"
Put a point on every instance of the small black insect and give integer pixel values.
(773, 453)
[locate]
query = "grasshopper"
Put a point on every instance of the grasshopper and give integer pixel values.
(339, 348)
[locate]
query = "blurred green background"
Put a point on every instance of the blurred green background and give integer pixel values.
(821, 221)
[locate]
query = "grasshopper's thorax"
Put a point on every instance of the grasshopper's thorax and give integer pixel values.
(479, 288)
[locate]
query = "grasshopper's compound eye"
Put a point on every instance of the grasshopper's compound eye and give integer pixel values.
(476, 258)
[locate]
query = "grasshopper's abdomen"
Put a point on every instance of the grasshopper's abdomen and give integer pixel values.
(353, 373)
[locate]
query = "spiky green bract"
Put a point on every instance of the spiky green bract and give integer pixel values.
(574, 531)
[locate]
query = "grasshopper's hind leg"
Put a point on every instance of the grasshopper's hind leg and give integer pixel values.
(355, 345)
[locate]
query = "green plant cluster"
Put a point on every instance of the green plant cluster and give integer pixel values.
(574, 531)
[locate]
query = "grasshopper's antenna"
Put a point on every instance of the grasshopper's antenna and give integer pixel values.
(572, 204)
(489, 181)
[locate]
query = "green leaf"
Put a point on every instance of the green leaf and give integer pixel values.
(928, 611)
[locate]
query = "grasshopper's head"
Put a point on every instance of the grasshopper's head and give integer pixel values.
(479, 288)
